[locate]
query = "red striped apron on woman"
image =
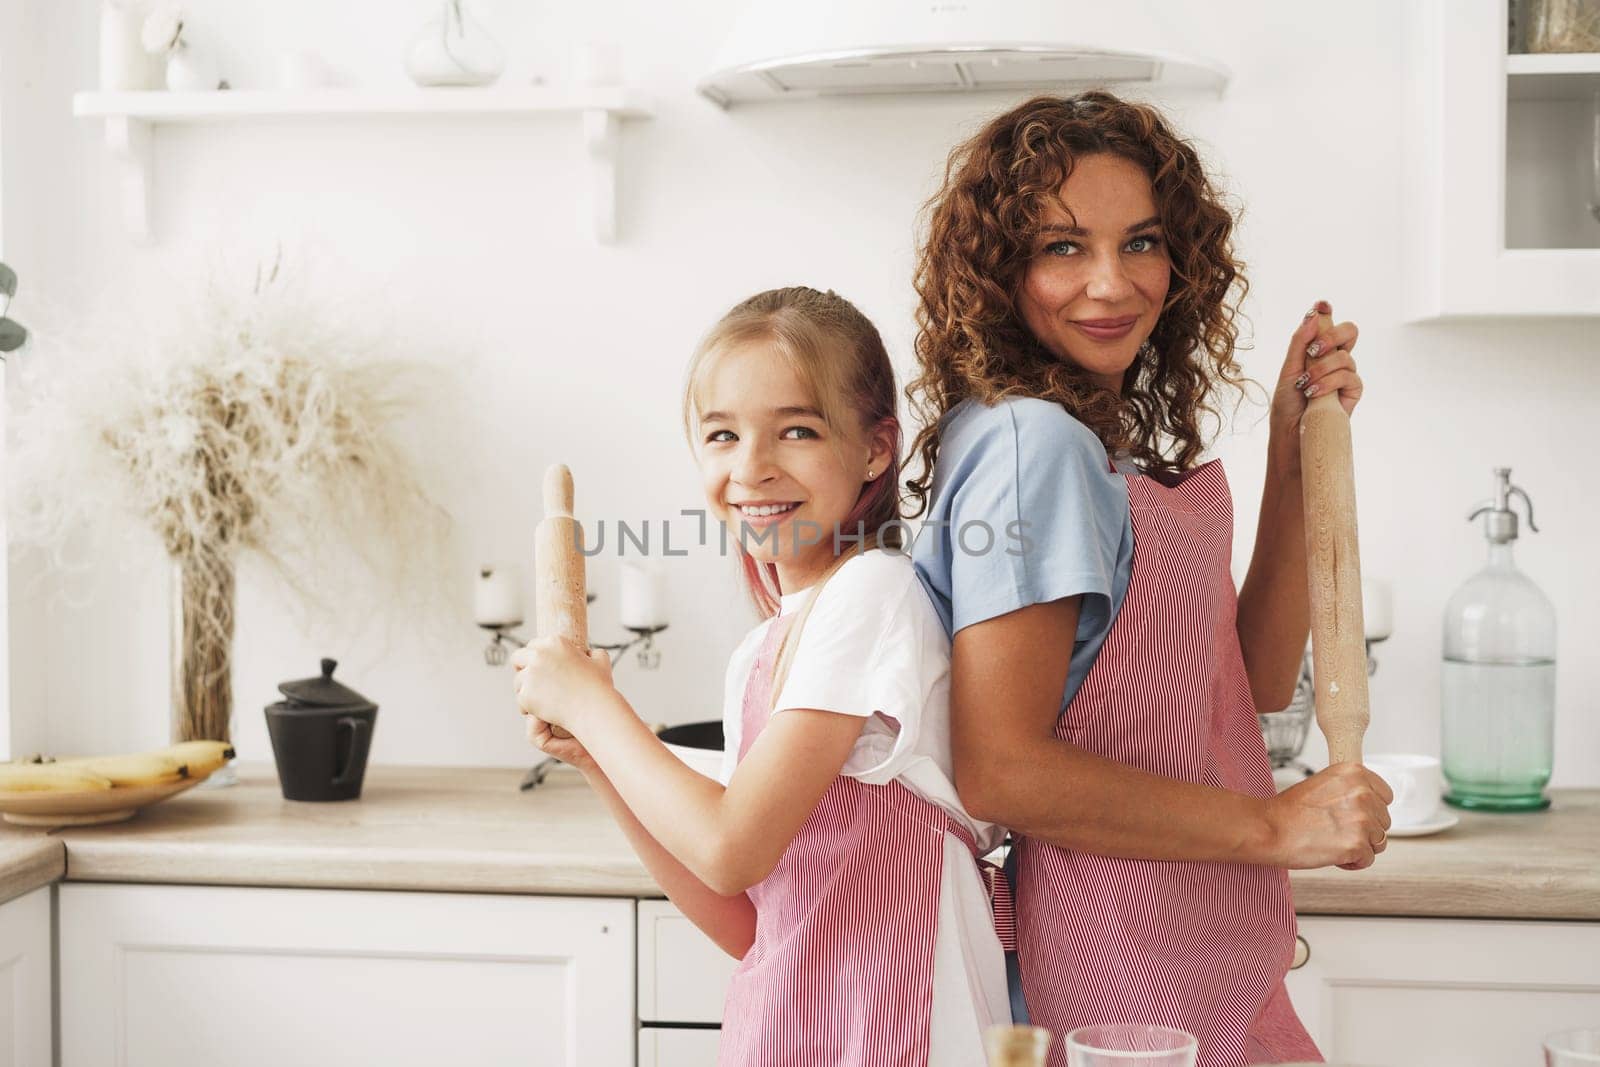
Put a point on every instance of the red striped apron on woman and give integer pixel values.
(1203, 947)
(841, 970)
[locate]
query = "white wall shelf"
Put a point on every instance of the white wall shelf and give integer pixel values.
(129, 117)
(1498, 166)
(1554, 76)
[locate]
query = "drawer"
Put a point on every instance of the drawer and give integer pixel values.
(683, 975)
(677, 1048)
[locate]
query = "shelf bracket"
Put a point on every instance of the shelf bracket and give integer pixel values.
(128, 139)
(600, 138)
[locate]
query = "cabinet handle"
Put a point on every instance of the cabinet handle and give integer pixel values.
(1302, 953)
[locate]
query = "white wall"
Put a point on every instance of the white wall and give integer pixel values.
(573, 352)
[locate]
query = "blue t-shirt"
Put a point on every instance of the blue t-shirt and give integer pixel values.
(1024, 509)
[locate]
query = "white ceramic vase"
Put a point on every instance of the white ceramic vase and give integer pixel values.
(190, 70)
(453, 49)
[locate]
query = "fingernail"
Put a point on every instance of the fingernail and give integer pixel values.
(1311, 391)
(1300, 382)
(1310, 313)
(1314, 349)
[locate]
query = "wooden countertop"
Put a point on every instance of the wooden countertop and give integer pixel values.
(470, 830)
(1539, 865)
(28, 862)
(436, 829)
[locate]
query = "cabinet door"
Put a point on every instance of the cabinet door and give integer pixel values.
(661, 1047)
(25, 980)
(683, 975)
(157, 975)
(1445, 992)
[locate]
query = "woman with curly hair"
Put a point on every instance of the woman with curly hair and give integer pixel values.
(1077, 321)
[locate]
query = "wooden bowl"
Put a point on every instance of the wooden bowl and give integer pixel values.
(87, 807)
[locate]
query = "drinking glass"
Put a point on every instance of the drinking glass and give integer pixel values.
(1130, 1045)
(1573, 1048)
(1016, 1046)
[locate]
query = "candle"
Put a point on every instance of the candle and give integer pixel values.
(643, 604)
(497, 596)
(1377, 608)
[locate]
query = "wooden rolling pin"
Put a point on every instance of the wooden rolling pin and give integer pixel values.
(1333, 559)
(560, 593)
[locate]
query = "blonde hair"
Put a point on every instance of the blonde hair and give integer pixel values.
(838, 355)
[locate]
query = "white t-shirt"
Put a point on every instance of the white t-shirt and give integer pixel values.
(874, 647)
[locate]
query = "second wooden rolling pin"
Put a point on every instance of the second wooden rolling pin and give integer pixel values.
(1333, 561)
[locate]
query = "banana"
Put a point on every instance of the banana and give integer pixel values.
(49, 778)
(202, 757)
(135, 768)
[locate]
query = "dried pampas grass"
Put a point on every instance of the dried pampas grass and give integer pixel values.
(260, 422)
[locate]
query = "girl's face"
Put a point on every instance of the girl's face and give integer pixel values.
(775, 475)
(1098, 277)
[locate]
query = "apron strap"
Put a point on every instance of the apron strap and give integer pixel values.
(1008, 876)
(1001, 882)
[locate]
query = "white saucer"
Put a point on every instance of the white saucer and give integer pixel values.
(1442, 821)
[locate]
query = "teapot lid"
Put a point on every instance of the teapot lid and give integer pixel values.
(322, 692)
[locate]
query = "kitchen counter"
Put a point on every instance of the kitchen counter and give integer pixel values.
(28, 861)
(470, 830)
(436, 829)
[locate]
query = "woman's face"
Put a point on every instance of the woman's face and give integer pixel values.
(1098, 277)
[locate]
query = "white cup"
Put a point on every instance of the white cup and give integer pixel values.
(1417, 784)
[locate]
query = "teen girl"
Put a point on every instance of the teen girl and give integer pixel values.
(1078, 292)
(833, 859)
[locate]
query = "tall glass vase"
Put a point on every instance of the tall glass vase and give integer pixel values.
(202, 652)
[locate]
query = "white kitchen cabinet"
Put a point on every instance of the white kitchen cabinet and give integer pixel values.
(666, 1047)
(1498, 170)
(153, 975)
(683, 975)
(25, 980)
(1445, 992)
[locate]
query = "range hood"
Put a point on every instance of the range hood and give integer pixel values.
(785, 49)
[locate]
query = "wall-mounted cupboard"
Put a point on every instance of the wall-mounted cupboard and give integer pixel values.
(1502, 193)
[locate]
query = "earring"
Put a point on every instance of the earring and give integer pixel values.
(1147, 351)
(869, 475)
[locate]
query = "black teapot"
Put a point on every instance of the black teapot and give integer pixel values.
(321, 735)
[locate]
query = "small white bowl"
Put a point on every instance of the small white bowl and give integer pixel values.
(698, 744)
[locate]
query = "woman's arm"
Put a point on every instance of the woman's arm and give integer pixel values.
(1007, 678)
(1274, 602)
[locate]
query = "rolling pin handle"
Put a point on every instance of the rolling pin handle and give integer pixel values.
(557, 490)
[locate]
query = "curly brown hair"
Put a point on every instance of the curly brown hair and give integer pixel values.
(981, 225)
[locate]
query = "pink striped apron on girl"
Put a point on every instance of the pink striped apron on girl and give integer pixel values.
(1203, 947)
(841, 970)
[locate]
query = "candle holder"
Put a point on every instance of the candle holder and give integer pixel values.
(504, 636)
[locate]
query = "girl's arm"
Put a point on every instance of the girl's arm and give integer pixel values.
(728, 838)
(1007, 676)
(730, 921)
